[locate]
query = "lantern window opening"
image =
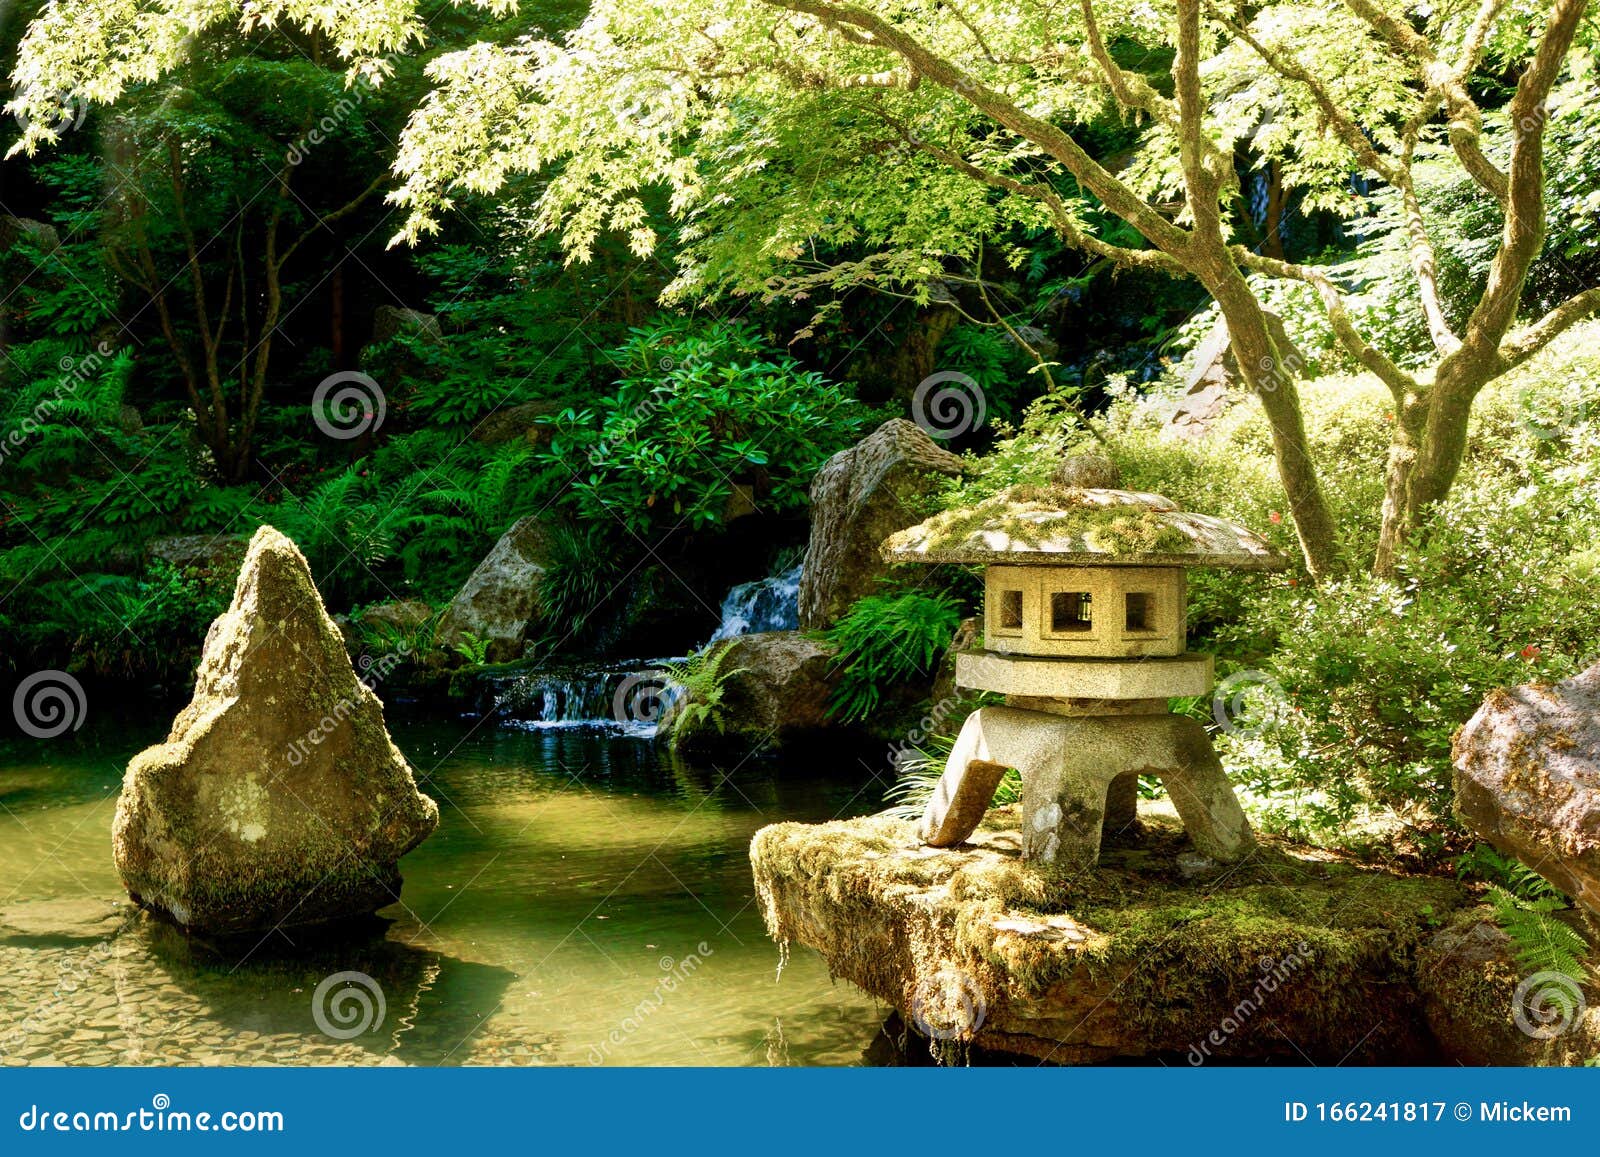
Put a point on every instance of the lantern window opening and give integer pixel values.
(1139, 611)
(1010, 618)
(1071, 612)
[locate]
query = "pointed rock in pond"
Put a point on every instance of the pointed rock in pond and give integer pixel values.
(278, 798)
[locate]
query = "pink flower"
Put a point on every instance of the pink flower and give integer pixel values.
(1531, 652)
(1275, 518)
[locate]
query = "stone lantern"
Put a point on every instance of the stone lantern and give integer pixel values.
(1084, 634)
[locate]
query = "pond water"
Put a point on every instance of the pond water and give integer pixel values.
(586, 900)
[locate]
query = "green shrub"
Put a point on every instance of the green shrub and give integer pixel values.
(701, 409)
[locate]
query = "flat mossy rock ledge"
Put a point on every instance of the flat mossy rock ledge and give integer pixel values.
(1285, 957)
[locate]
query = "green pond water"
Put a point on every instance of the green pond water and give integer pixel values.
(585, 900)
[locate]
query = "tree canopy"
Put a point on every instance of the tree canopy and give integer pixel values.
(811, 142)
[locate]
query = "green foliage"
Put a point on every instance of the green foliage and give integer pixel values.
(1543, 942)
(1370, 678)
(507, 320)
(999, 367)
(584, 570)
(698, 686)
(394, 639)
(1505, 873)
(885, 641)
(1383, 673)
(473, 649)
(919, 772)
(702, 408)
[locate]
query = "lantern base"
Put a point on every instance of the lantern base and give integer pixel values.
(1076, 776)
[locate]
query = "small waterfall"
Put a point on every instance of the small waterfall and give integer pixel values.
(770, 604)
(628, 698)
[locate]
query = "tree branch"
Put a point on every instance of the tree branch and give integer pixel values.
(1130, 91)
(1466, 120)
(1524, 232)
(1202, 181)
(1521, 344)
(1059, 213)
(1398, 380)
(1287, 67)
(1119, 198)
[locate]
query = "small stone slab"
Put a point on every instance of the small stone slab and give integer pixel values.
(959, 802)
(72, 919)
(1152, 677)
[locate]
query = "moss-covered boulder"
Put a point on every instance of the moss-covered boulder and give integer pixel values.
(776, 693)
(499, 604)
(1527, 779)
(278, 798)
(1287, 956)
(859, 497)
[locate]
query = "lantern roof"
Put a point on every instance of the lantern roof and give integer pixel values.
(1069, 526)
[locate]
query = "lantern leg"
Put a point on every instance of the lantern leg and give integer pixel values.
(1064, 810)
(1204, 798)
(964, 791)
(1078, 774)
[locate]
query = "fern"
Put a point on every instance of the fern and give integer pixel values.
(885, 641)
(1508, 872)
(473, 649)
(699, 684)
(1543, 943)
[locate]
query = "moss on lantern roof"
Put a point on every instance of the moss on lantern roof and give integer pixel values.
(1066, 526)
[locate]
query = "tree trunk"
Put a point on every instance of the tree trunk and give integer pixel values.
(1271, 375)
(1410, 420)
(1430, 442)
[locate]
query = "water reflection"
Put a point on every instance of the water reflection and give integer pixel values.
(571, 876)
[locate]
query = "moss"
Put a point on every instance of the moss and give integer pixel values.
(1036, 514)
(1327, 948)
